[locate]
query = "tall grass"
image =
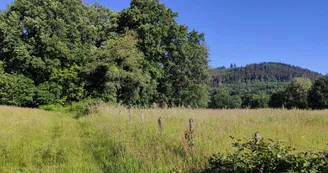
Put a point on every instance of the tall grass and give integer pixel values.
(111, 141)
(39, 141)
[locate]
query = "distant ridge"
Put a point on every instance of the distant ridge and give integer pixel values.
(260, 72)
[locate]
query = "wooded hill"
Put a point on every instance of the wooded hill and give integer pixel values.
(262, 72)
(263, 78)
(267, 85)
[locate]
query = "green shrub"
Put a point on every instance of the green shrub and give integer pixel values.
(48, 93)
(318, 95)
(255, 101)
(277, 99)
(267, 156)
(53, 108)
(222, 99)
(16, 90)
(85, 107)
(78, 109)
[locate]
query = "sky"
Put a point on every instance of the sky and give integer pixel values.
(253, 31)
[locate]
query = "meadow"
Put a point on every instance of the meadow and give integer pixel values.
(115, 139)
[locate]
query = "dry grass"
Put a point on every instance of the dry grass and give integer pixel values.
(109, 141)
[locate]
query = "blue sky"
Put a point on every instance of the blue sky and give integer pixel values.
(253, 31)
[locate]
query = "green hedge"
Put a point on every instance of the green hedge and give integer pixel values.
(267, 156)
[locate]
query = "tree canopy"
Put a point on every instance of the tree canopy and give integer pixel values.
(318, 96)
(296, 93)
(64, 51)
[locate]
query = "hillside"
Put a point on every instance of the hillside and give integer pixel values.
(262, 72)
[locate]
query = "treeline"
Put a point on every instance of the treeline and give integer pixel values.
(300, 93)
(263, 85)
(263, 72)
(253, 87)
(57, 52)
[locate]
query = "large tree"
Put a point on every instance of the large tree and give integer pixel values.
(186, 73)
(48, 41)
(318, 96)
(221, 99)
(277, 99)
(296, 94)
(114, 72)
(255, 101)
(43, 41)
(175, 58)
(70, 51)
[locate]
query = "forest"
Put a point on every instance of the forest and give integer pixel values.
(60, 52)
(262, 72)
(57, 52)
(263, 85)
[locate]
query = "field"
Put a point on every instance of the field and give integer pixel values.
(118, 140)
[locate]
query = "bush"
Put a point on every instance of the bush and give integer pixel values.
(297, 92)
(16, 90)
(54, 108)
(318, 95)
(48, 94)
(221, 99)
(255, 101)
(267, 156)
(78, 109)
(277, 99)
(85, 107)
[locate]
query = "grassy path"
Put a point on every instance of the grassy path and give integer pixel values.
(33, 140)
(39, 141)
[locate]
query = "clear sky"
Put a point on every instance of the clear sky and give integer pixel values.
(253, 31)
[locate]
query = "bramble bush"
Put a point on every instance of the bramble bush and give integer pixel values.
(267, 156)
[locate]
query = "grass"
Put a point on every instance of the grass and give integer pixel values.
(111, 141)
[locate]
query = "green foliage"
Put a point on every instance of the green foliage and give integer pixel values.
(175, 58)
(48, 94)
(318, 96)
(253, 87)
(47, 44)
(267, 156)
(72, 51)
(296, 95)
(1, 67)
(114, 72)
(277, 100)
(221, 99)
(53, 108)
(16, 90)
(254, 101)
(84, 108)
(68, 51)
(263, 72)
(255, 81)
(187, 73)
(300, 94)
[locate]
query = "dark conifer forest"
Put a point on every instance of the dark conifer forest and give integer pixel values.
(262, 72)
